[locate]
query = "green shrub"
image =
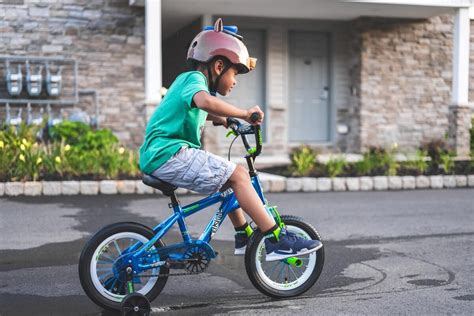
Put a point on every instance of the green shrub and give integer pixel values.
(419, 164)
(435, 149)
(335, 166)
(365, 166)
(447, 162)
(74, 151)
(71, 132)
(378, 161)
(82, 136)
(21, 157)
(303, 161)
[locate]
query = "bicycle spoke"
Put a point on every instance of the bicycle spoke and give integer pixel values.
(108, 257)
(103, 269)
(117, 247)
(282, 270)
(102, 276)
(273, 271)
(112, 286)
(291, 268)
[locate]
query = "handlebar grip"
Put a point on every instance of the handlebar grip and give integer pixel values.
(217, 124)
(255, 116)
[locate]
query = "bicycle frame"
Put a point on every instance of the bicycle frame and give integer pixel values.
(228, 204)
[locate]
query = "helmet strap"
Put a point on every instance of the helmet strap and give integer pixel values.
(214, 84)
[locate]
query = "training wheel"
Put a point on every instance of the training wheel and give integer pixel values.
(135, 304)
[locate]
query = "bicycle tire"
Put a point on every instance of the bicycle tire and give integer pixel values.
(258, 276)
(87, 282)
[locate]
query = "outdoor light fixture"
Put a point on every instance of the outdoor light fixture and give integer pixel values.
(53, 81)
(34, 80)
(14, 80)
(342, 129)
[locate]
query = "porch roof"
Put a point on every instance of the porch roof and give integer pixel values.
(177, 14)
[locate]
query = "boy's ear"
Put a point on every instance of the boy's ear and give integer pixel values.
(219, 66)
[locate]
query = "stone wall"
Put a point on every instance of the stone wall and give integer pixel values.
(402, 74)
(106, 37)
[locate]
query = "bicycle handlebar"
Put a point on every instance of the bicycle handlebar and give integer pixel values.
(244, 129)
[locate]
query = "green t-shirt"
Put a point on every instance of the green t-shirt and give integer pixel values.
(175, 123)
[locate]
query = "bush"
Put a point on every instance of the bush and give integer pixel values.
(447, 162)
(435, 149)
(335, 166)
(378, 161)
(82, 136)
(74, 151)
(419, 165)
(303, 161)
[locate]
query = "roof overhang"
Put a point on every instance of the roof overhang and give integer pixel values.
(178, 13)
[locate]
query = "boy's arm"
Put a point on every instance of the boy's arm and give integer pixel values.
(217, 119)
(217, 107)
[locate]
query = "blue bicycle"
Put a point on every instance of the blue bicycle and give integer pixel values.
(126, 265)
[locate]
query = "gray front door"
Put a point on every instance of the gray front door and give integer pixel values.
(309, 114)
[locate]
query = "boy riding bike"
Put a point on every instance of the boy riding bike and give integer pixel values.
(171, 150)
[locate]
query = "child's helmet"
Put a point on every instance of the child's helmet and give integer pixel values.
(220, 41)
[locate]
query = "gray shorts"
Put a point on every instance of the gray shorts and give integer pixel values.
(196, 170)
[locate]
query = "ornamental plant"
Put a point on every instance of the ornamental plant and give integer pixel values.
(335, 166)
(447, 162)
(419, 163)
(70, 151)
(303, 161)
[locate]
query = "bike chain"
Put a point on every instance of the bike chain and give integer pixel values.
(173, 274)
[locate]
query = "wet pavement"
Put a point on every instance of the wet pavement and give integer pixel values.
(407, 252)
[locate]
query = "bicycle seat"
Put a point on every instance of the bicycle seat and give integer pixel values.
(166, 188)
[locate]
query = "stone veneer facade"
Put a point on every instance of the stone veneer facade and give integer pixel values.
(106, 37)
(400, 70)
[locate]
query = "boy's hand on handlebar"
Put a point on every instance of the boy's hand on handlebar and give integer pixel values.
(255, 109)
(231, 121)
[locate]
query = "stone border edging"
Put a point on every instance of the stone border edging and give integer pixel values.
(270, 183)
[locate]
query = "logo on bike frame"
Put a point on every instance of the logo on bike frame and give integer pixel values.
(217, 221)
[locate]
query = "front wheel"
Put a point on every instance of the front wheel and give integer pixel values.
(280, 279)
(99, 271)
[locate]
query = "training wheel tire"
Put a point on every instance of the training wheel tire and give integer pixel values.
(135, 304)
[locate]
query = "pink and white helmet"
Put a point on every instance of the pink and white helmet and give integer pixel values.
(218, 42)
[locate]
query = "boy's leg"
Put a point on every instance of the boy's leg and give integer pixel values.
(249, 199)
(243, 231)
(237, 218)
(281, 244)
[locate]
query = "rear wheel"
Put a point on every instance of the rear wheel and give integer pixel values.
(98, 268)
(280, 279)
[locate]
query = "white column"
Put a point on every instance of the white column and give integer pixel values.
(461, 57)
(206, 20)
(153, 62)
